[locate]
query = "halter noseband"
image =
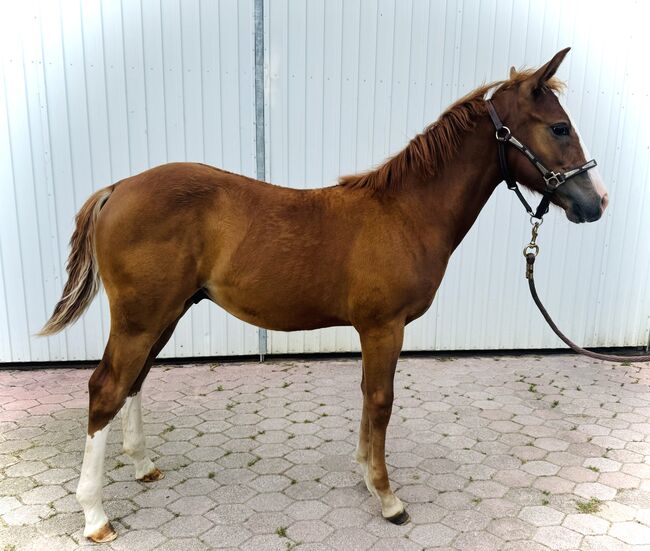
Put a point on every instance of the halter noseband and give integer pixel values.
(553, 180)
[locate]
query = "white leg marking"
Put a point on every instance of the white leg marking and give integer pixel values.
(89, 490)
(391, 505)
(134, 441)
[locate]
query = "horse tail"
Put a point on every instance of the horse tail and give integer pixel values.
(83, 273)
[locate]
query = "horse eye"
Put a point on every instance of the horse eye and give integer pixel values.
(560, 130)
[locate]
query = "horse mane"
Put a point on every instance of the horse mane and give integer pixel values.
(428, 152)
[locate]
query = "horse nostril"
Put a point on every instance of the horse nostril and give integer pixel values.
(604, 201)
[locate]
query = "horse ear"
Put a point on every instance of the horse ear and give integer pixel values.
(539, 77)
(513, 72)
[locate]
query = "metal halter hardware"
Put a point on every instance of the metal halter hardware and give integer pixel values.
(552, 180)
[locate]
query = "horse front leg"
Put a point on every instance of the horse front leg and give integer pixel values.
(380, 349)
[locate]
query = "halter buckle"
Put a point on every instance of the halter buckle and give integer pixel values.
(554, 180)
(505, 136)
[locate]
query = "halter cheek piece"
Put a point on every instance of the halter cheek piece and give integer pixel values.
(553, 180)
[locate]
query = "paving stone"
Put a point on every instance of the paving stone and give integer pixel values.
(27, 514)
(221, 537)
(525, 545)
(183, 544)
(586, 524)
(186, 527)
(432, 535)
(464, 521)
(309, 531)
(605, 543)
(229, 514)
(270, 542)
(602, 464)
(595, 490)
(147, 518)
(578, 474)
(541, 468)
(511, 529)
(557, 537)
(341, 539)
(619, 481)
(486, 489)
(633, 533)
(541, 515)
(191, 505)
(478, 541)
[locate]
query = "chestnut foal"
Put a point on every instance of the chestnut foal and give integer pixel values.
(369, 252)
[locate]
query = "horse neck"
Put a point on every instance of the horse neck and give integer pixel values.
(449, 203)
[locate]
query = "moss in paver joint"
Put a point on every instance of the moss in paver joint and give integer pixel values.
(281, 531)
(592, 468)
(589, 507)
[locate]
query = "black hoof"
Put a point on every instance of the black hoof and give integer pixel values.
(399, 518)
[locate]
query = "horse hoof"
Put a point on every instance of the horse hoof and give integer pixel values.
(400, 518)
(154, 475)
(105, 534)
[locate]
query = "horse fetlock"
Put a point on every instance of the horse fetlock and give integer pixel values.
(94, 514)
(143, 467)
(391, 505)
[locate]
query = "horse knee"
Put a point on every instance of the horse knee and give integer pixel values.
(380, 403)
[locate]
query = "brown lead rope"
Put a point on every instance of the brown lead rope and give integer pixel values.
(530, 252)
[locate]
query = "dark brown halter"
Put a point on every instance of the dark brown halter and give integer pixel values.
(552, 180)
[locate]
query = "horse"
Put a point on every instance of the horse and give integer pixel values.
(368, 252)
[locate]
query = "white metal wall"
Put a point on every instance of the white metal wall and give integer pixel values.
(349, 82)
(93, 91)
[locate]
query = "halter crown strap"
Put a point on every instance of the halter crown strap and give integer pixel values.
(552, 179)
(503, 134)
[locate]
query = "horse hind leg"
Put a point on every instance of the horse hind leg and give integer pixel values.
(131, 413)
(134, 440)
(108, 388)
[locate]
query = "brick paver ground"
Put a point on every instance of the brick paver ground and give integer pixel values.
(489, 453)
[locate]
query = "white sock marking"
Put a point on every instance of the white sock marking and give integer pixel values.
(89, 490)
(134, 440)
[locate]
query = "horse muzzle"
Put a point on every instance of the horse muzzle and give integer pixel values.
(587, 211)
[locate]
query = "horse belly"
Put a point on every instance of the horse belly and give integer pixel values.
(277, 308)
